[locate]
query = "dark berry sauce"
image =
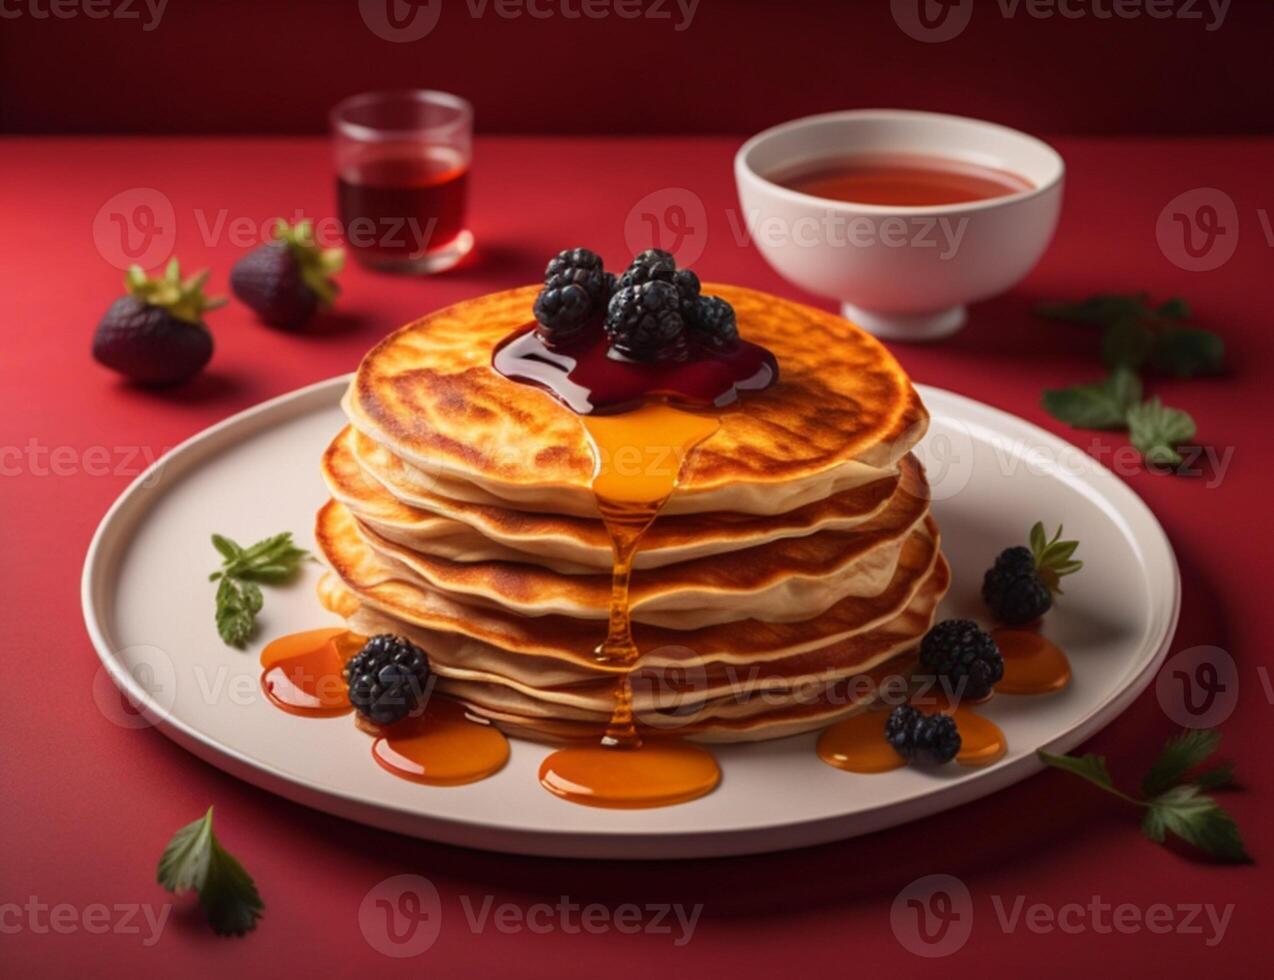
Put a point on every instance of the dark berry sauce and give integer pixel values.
(589, 379)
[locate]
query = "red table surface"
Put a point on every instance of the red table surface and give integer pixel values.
(90, 805)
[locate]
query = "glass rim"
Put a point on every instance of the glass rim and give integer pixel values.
(366, 134)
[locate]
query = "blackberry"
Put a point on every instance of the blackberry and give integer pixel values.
(1019, 587)
(921, 738)
(387, 679)
(714, 325)
(576, 288)
(645, 323)
(1016, 597)
(654, 263)
(965, 655)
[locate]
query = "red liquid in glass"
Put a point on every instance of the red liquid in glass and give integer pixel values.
(395, 209)
(901, 180)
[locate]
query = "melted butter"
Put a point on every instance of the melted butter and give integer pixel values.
(639, 456)
(1032, 664)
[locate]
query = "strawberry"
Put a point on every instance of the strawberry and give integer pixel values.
(155, 335)
(286, 280)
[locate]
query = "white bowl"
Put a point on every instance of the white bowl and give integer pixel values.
(904, 273)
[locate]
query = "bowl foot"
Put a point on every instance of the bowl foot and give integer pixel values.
(916, 327)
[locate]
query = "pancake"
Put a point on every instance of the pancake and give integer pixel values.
(390, 588)
(842, 411)
(788, 579)
(371, 482)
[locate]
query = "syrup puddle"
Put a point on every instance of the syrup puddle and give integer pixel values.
(301, 673)
(1032, 664)
(444, 746)
(640, 456)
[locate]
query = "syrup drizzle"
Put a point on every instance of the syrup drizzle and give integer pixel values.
(640, 457)
(301, 673)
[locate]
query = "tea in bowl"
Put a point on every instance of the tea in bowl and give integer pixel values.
(905, 217)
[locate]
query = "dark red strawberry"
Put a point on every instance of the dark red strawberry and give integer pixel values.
(286, 280)
(155, 335)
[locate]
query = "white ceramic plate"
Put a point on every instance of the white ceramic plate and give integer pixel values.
(149, 610)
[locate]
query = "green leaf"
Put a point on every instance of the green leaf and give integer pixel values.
(1089, 767)
(195, 860)
(1099, 405)
(1187, 352)
(1197, 819)
(1222, 775)
(1053, 558)
(1098, 311)
(238, 603)
(1180, 754)
(1157, 430)
(227, 547)
(1174, 309)
(1127, 343)
(273, 561)
(184, 863)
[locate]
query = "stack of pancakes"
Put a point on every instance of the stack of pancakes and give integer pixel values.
(795, 565)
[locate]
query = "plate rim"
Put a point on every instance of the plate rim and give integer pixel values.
(565, 841)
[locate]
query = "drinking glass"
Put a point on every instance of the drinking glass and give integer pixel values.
(402, 178)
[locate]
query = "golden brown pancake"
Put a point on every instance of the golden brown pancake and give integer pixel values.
(370, 481)
(842, 410)
(391, 589)
(788, 579)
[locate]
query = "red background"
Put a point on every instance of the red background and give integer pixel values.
(256, 66)
(90, 805)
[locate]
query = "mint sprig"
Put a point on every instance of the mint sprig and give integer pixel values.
(1157, 430)
(1139, 334)
(1174, 803)
(272, 561)
(194, 860)
(1098, 405)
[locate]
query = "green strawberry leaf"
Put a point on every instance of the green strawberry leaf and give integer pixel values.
(1180, 754)
(1197, 819)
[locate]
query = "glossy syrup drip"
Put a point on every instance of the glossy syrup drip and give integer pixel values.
(302, 673)
(443, 746)
(588, 379)
(1032, 664)
(640, 456)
